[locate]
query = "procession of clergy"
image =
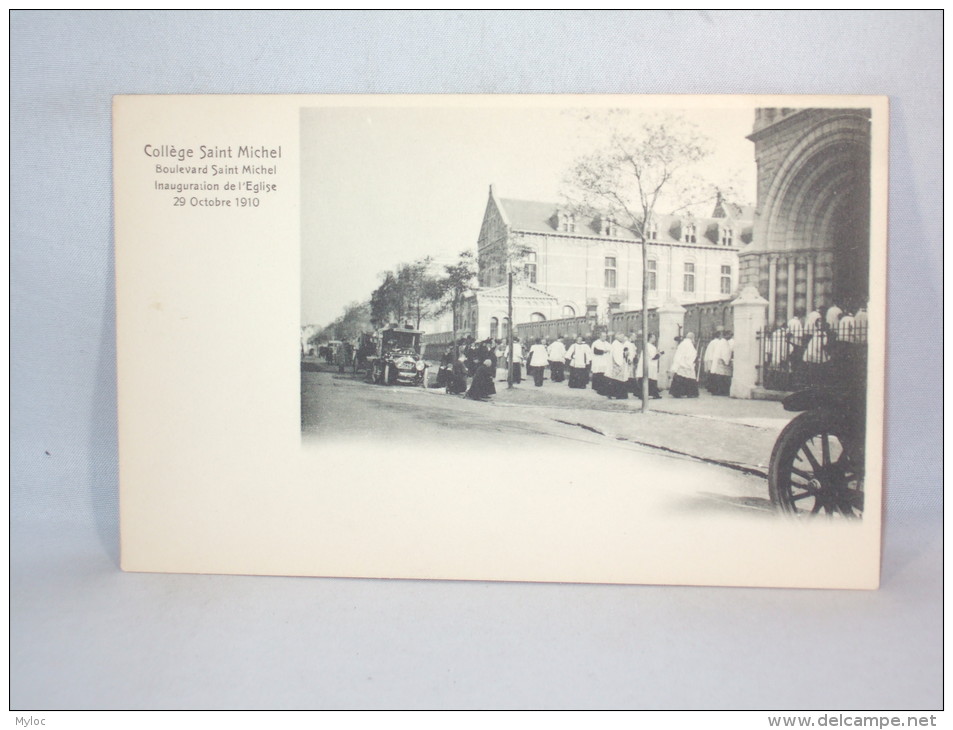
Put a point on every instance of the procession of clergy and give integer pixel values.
(612, 362)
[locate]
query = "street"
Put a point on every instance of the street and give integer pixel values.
(710, 453)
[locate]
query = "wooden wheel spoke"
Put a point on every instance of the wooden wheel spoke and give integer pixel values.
(825, 449)
(805, 449)
(849, 465)
(817, 469)
(801, 473)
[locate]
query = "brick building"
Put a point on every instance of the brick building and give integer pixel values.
(573, 266)
(812, 236)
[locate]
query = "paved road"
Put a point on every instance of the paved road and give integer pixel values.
(341, 407)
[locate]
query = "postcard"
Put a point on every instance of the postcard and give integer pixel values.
(598, 339)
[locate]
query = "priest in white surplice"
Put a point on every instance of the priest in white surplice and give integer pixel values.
(684, 375)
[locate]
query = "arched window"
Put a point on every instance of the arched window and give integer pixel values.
(727, 236)
(506, 328)
(537, 317)
(494, 328)
(569, 311)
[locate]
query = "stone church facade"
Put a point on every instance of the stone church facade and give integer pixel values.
(811, 238)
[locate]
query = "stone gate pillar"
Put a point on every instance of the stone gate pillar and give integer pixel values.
(748, 311)
(671, 317)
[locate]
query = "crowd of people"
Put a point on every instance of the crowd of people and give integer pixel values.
(807, 345)
(612, 364)
(337, 353)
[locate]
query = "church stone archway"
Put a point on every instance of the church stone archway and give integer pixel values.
(812, 237)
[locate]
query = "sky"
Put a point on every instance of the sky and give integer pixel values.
(391, 182)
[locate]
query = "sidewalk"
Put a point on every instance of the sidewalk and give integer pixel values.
(729, 431)
(760, 413)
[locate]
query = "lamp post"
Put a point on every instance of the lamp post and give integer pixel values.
(513, 252)
(509, 329)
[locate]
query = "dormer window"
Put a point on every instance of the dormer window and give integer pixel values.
(688, 233)
(609, 227)
(651, 231)
(572, 223)
(727, 236)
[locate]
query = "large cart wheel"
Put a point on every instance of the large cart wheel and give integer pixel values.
(817, 467)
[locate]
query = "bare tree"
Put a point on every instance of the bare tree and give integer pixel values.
(644, 163)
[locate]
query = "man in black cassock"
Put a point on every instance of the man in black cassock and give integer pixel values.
(458, 377)
(482, 386)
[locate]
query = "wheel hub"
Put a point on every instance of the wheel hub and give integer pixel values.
(833, 490)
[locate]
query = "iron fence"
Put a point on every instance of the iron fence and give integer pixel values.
(631, 322)
(703, 318)
(795, 358)
(552, 328)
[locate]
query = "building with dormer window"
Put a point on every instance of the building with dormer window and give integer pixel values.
(593, 266)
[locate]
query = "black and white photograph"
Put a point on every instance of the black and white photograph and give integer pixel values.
(477, 360)
(690, 286)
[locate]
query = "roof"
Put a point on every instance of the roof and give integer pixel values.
(538, 217)
(530, 215)
(398, 328)
(734, 211)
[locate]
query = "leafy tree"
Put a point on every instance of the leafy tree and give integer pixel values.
(644, 163)
(420, 289)
(408, 292)
(453, 287)
(386, 303)
(353, 321)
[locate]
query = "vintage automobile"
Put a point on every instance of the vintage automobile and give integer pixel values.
(397, 360)
(817, 465)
